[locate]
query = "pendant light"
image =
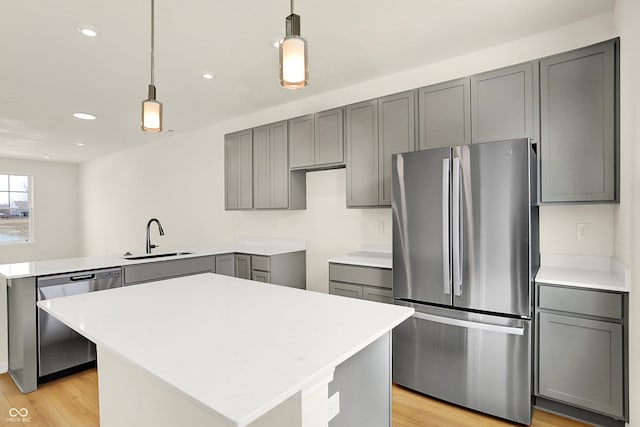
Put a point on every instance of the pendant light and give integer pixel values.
(151, 108)
(294, 69)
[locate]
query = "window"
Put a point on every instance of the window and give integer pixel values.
(15, 208)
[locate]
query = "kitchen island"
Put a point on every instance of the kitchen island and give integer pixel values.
(221, 351)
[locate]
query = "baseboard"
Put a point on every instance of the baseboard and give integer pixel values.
(4, 367)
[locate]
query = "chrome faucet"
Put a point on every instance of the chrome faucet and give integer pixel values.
(149, 245)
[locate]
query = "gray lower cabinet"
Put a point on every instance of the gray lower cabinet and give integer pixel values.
(159, 270)
(238, 170)
(316, 140)
(375, 130)
(580, 348)
(578, 131)
(370, 283)
(225, 264)
(288, 269)
(274, 186)
(243, 266)
(444, 114)
(504, 104)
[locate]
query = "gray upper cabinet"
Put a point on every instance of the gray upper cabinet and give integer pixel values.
(396, 133)
(362, 154)
(274, 187)
(329, 137)
(375, 130)
(444, 112)
(261, 168)
(316, 140)
(503, 105)
(302, 142)
(238, 173)
(578, 101)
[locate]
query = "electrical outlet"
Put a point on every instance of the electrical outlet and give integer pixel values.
(582, 230)
(334, 405)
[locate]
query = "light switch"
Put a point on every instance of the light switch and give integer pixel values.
(582, 230)
(380, 227)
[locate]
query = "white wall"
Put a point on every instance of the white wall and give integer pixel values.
(55, 211)
(627, 16)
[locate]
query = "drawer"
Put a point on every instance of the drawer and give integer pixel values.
(371, 276)
(261, 263)
(377, 294)
(166, 269)
(261, 276)
(581, 301)
(345, 290)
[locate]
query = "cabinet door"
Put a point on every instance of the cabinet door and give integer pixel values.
(278, 166)
(396, 133)
(245, 169)
(502, 104)
(261, 162)
(378, 295)
(225, 265)
(238, 170)
(261, 276)
(345, 290)
(301, 142)
(581, 362)
(445, 114)
(329, 137)
(362, 154)
(577, 95)
(243, 266)
(231, 171)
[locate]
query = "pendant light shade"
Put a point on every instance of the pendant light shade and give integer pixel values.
(151, 108)
(151, 112)
(294, 60)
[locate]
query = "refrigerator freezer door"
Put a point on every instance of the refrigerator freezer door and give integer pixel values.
(492, 228)
(479, 361)
(420, 183)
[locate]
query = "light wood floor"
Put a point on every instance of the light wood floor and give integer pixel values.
(73, 402)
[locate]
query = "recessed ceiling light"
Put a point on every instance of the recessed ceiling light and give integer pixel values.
(88, 30)
(48, 157)
(207, 75)
(84, 116)
(80, 144)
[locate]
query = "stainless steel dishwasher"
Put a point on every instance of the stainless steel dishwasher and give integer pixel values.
(60, 348)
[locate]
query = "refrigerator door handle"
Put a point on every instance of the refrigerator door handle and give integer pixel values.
(446, 270)
(457, 230)
(511, 330)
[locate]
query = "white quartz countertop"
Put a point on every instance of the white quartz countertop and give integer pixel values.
(593, 272)
(255, 246)
(236, 346)
(365, 258)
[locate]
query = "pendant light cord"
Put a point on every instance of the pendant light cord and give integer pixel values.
(152, 36)
(291, 6)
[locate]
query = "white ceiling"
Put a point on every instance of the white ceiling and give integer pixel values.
(48, 70)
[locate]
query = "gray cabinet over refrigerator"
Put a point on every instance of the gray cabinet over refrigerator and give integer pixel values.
(464, 256)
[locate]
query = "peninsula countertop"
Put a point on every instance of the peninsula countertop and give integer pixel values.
(255, 246)
(235, 346)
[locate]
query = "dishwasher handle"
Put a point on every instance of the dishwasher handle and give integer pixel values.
(90, 276)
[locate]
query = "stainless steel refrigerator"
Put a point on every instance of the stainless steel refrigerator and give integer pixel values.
(465, 249)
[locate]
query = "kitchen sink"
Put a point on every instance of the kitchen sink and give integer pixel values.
(151, 256)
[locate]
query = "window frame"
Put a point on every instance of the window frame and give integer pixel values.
(30, 207)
